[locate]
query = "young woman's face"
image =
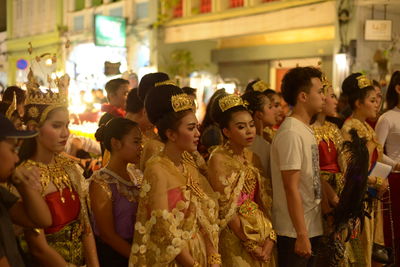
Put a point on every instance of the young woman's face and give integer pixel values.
(331, 102)
(278, 108)
(187, 136)
(241, 129)
(54, 132)
(369, 107)
(378, 92)
(9, 157)
(268, 113)
(130, 147)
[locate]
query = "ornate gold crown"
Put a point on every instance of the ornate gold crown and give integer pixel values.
(363, 81)
(167, 82)
(182, 102)
(36, 97)
(325, 81)
(12, 107)
(260, 86)
(230, 101)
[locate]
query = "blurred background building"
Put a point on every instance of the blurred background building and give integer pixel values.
(202, 42)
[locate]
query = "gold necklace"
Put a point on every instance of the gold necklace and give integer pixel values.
(54, 173)
(250, 181)
(326, 132)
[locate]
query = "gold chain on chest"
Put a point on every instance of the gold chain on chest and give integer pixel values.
(54, 173)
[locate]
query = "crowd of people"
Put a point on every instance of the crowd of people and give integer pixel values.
(266, 179)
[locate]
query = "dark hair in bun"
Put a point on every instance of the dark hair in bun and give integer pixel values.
(159, 109)
(133, 102)
(115, 128)
(268, 92)
(148, 81)
(256, 101)
(351, 89)
(223, 117)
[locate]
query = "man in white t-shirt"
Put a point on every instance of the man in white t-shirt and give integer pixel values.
(296, 184)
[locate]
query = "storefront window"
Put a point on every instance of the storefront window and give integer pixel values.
(79, 4)
(236, 3)
(178, 10)
(205, 6)
(97, 2)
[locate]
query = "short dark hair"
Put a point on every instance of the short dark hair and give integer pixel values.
(189, 90)
(113, 85)
(116, 128)
(392, 97)
(298, 80)
(8, 95)
(133, 102)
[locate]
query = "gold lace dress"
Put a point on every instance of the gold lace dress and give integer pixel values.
(247, 195)
(176, 210)
(68, 207)
(373, 227)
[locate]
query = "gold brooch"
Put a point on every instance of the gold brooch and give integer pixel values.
(33, 112)
(182, 102)
(363, 81)
(230, 101)
(260, 86)
(167, 82)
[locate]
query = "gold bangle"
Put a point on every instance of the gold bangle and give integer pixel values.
(272, 235)
(214, 258)
(250, 245)
(379, 182)
(196, 264)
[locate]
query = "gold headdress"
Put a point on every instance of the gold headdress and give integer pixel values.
(260, 86)
(363, 81)
(325, 84)
(167, 82)
(38, 104)
(230, 101)
(12, 107)
(182, 102)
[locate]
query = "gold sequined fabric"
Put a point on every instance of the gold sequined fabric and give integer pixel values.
(164, 228)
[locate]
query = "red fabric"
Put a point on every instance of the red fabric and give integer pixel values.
(374, 158)
(328, 159)
(113, 110)
(62, 213)
(174, 196)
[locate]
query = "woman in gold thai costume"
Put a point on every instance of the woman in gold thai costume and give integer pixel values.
(363, 102)
(69, 240)
(268, 132)
(177, 217)
(247, 237)
(331, 160)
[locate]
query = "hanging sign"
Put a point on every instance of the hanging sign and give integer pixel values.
(378, 30)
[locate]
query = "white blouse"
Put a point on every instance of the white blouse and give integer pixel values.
(388, 133)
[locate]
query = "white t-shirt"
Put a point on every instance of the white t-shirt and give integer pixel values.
(294, 148)
(262, 148)
(388, 133)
